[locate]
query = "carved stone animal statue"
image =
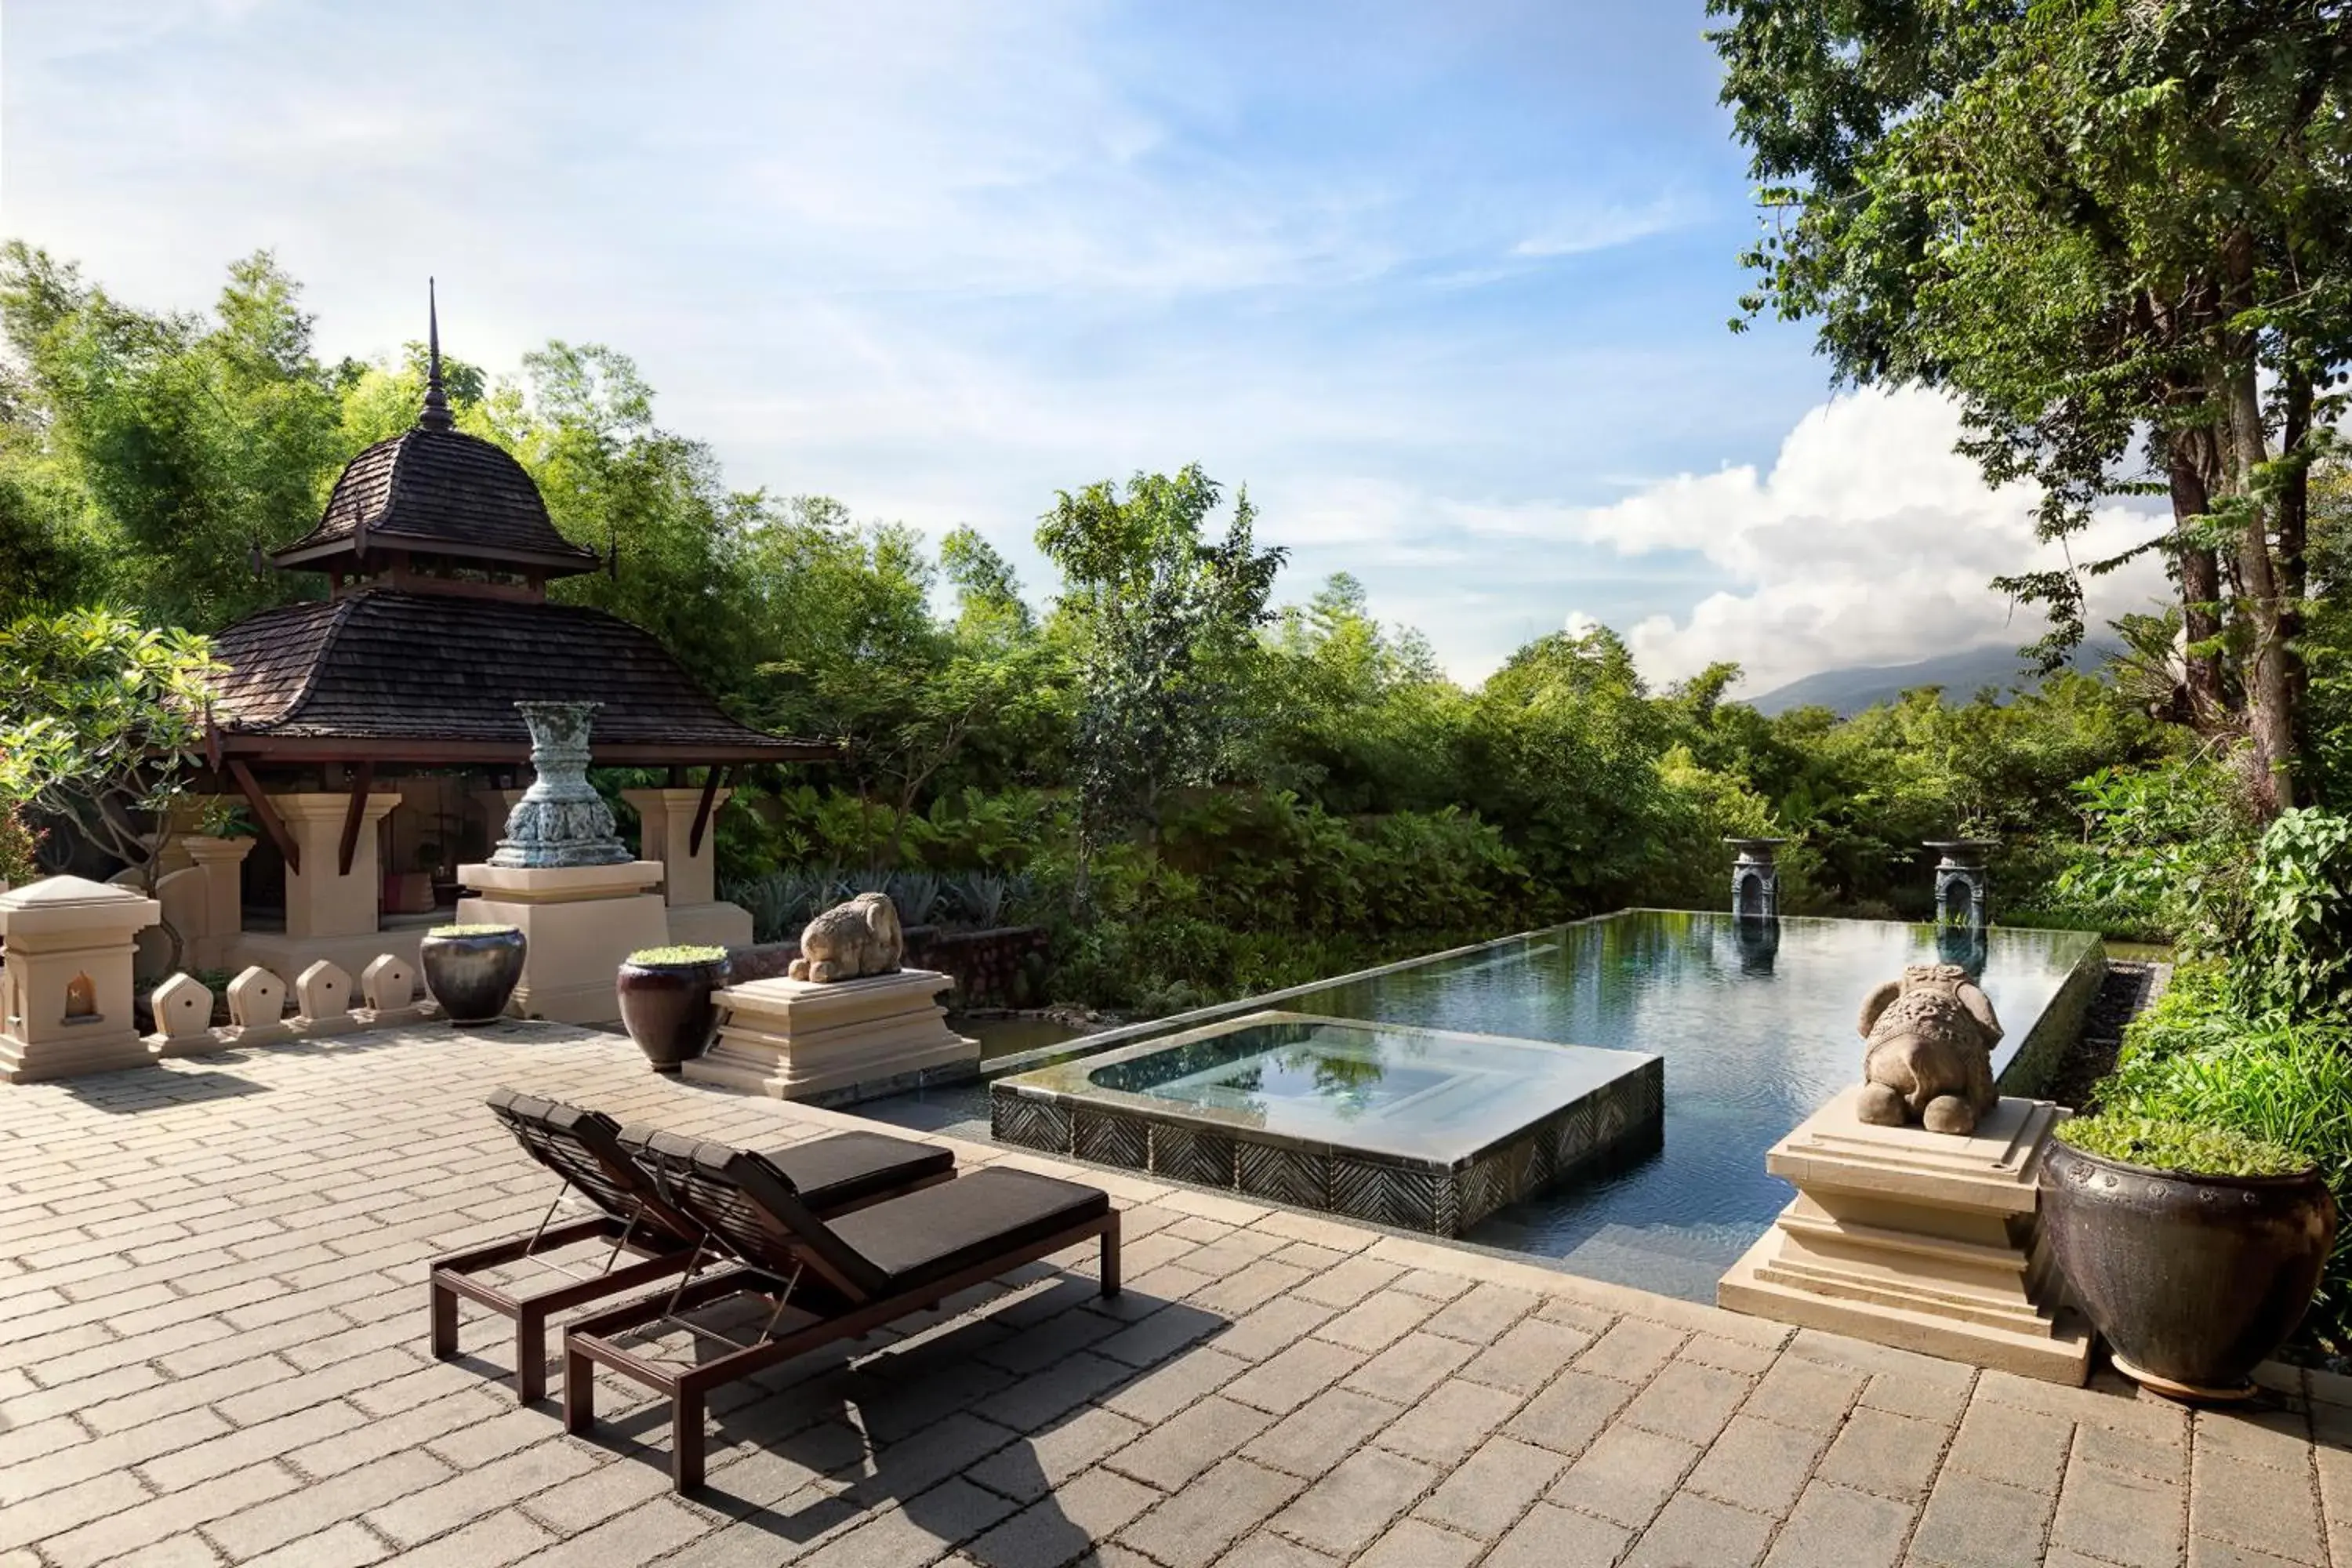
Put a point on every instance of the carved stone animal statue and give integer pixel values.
(1929, 1054)
(850, 940)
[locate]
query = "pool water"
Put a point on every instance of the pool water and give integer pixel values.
(1756, 1024)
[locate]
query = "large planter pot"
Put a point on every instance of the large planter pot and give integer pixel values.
(472, 972)
(2193, 1280)
(668, 1009)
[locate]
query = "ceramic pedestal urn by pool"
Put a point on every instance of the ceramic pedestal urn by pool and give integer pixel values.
(667, 1002)
(2192, 1279)
(471, 970)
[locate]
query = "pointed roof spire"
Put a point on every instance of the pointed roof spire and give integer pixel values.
(436, 413)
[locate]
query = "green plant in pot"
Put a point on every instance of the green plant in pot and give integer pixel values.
(666, 1001)
(472, 970)
(2194, 1250)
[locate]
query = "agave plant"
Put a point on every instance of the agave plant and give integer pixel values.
(981, 896)
(916, 894)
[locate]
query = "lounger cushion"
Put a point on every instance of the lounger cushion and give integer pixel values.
(929, 1235)
(833, 1172)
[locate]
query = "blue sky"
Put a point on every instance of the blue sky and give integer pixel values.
(1445, 286)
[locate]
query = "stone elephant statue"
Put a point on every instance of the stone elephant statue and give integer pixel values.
(850, 940)
(1928, 1056)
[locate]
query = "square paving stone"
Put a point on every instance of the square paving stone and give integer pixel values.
(1493, 1488)
(2129, 1451)
(1625, 1476)
(1880, 1452)
(2127, 1519)
(1412, 1543)
(1285, 1382)
(1411, 1367)
(1551, 1537)
(2204, 1552)
(1805, 1394)
(1193, 1528)
(1180, 1448)
(2003, 1443)
(1568, 1415)
(1633, 1350)
(1062, 1527)
(1377, 1320)
(1699, 1533)
(1526, 1355)
(1689, 1402)
(2253, 1505)
(1836, 1527)
(1450, 1422)
(1321, 1432)
(1352, 1506)
(1972, 1522)
(1757, 1465)
(1480, 1317)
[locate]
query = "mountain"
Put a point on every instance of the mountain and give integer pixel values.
(1961, 675)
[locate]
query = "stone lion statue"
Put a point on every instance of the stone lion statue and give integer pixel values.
(1929, 1054)
(852, 940)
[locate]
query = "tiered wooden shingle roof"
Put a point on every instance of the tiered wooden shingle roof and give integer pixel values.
(439, 547)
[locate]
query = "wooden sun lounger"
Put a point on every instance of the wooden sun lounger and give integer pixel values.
(827, 1279)
(836, 1175)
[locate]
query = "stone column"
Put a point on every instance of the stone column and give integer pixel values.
(689, 884)
(320, 901)
(220, 860)
(66, 989)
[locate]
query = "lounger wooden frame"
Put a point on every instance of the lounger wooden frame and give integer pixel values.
(797, 1277)
(637, 1220)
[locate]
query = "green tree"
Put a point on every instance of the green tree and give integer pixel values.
(101, 721)
(2121, 234)
(148, 455)
(1165, 620)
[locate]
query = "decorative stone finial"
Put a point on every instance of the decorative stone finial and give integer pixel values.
(560, 820)
(435, 413)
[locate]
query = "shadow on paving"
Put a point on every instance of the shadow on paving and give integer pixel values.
(824, 1442)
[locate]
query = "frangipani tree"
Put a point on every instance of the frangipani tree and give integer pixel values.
(102, 723)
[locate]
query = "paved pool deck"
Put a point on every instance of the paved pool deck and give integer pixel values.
(213, 1350)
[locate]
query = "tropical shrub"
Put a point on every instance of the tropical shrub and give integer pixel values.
(19, 847)
(2294, 949)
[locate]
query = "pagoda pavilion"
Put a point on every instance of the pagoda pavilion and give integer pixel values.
(372, 733)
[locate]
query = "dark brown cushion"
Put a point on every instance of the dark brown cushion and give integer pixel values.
(831, 1173)
(941, 1230)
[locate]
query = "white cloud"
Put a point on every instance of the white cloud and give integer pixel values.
(1869, 541)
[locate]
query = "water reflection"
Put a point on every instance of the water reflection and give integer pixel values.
(1756, 1029)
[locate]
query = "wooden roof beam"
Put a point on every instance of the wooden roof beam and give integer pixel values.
(703, 808)
(266, 813)
(362, 780)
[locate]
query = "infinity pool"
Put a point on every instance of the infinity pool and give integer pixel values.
(1756, 1024)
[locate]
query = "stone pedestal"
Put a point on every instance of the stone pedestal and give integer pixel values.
(66, 986)
(581, 921)
(1918, 1240)
(321, 900)
(221, 861)
(689, 886)
(795, 1039)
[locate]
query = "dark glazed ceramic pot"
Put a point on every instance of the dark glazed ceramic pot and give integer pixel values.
(2193, 1280)
(471, 974)
(668, 1009)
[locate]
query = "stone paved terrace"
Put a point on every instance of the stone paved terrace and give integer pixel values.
(212, 1302)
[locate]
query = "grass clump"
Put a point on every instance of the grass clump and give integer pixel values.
(472, 930)
(2178, 1146)
(682, 954)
